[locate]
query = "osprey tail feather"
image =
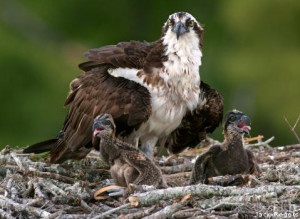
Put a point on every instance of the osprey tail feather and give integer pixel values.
(41, 147)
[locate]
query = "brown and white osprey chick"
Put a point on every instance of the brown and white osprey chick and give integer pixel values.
(230, 157)
(148, 88)
(128, 165)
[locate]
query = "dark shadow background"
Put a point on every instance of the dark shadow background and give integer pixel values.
(251, 55)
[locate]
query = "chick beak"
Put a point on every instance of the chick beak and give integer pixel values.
(244, 124)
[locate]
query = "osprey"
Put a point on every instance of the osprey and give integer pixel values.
(229, 157)
(148, 88)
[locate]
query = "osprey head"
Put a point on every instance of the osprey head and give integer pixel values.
(180, 24)
(103, 125)
(236, 121)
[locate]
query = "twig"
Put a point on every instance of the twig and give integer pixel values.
(257, 138)
(85, 206)
(37, 191)
(10, 204)
(189, 213)
(223, 205)
(229, 180)
(289, 147)
(293, 127)
(167, 212)
(5, 215)
(17, 160)
(112, 211)
(55, 176)
(213, 203)
(263, 143)
(53, 189)
(139, 214)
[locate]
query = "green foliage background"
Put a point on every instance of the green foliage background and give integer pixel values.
(251, 55)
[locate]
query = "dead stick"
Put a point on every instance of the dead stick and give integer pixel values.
(167, 212)
(223, 205)
(55, 176)
(293, 128)
(263, 143)
(290, 147)
(149, 198)
(17, 160)
(5, 215)
(10, 204)
(37, 191)
(140, 214)
(257, 138)
(85, 206)
(111, 211)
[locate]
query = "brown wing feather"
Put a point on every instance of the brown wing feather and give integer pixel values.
(195, 125)
(126, 55)
(97, 92)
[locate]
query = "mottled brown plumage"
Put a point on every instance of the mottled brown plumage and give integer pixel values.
(230, 157)
(195, 125)
(128, 165)
(148, 88)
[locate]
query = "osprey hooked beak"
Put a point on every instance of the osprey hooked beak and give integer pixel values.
(179, 28)
(103, 122)
(244, 124)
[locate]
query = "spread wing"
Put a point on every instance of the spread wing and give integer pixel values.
(195, 125)
(95, 92)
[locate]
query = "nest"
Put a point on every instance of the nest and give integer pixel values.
(31, 188)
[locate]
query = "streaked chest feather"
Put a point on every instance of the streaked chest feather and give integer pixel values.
(174, 88)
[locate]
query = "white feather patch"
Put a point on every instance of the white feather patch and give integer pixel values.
(179, 92)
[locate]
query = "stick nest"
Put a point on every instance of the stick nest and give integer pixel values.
(35, 189)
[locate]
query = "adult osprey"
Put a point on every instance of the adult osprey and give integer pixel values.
(148, 88)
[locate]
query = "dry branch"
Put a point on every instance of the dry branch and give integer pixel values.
(149, 198)
(167, 211)
(140, 214)
(111, 211)
(293, 127)
(261, 143)
(21, 208)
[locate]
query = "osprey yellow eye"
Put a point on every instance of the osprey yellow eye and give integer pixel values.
(191, 23)
(170, 22)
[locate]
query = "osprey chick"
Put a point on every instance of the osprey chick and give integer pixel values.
(128, 165)
(230, 157)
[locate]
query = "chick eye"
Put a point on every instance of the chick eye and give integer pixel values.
(191, 23)
(232, 118)
(107, 122)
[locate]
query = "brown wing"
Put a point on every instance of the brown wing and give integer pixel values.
(203, 166)
(195, 125)
(253, 166)
(97, 92)
(125, 55)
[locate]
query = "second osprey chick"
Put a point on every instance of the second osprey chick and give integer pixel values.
(128, 165)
